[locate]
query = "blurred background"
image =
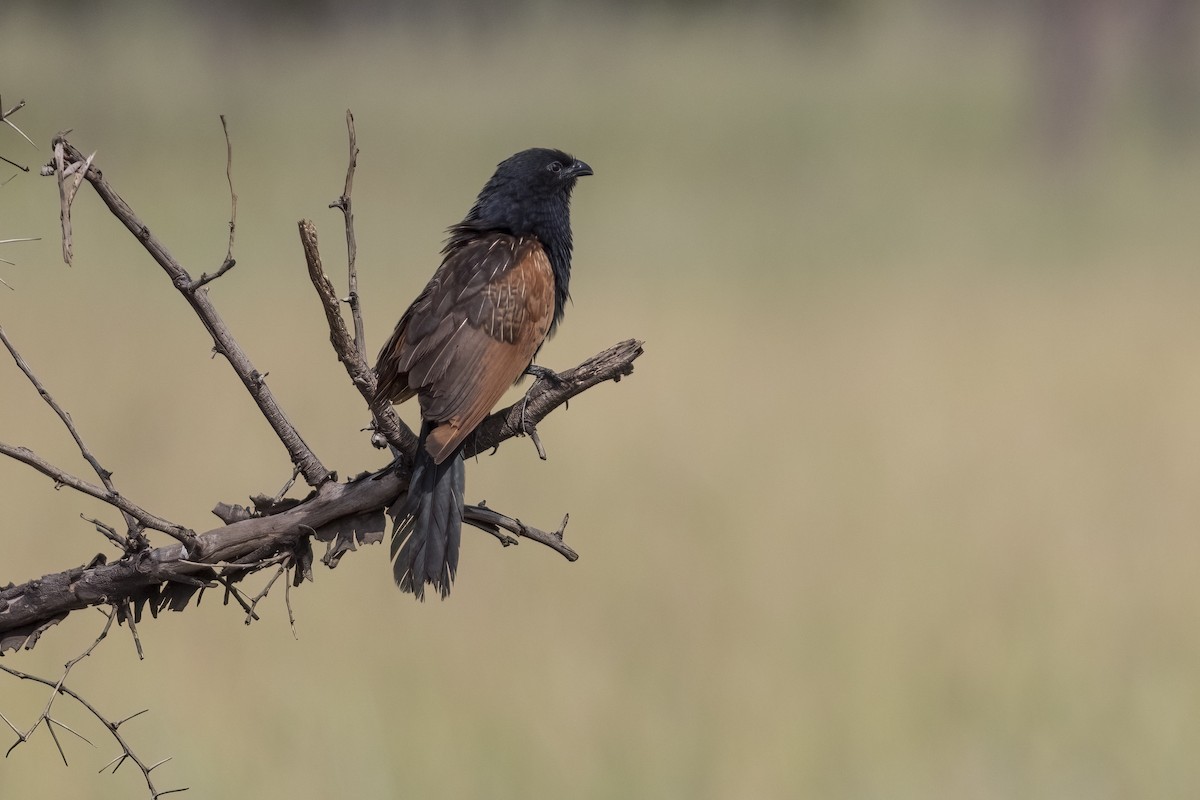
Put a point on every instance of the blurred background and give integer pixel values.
(900, 502)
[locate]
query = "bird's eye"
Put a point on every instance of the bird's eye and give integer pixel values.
(554, 166)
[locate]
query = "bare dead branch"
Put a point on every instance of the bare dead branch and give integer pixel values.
(399, 435)
(59, 687)
(492, 521)
(236, 594)
(160, 577)
(232, 194)
(611, 365)
(224, 342)
(143, 578)
(250, 611)
(205, 278)
(287, 485)
(229, 262)
(113, 498)
(531, 431)
(126, 616)
(44, 717)
(12, 163)
(287, 602)
(132, 542)
(108, 532)
(343, 203)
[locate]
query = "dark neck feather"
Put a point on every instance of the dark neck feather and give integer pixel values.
(549, 222)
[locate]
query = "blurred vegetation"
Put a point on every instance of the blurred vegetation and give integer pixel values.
(899, 503)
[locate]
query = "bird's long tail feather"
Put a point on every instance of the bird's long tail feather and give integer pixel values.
(428, 528)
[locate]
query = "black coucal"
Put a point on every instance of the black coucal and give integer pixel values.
(473, 332)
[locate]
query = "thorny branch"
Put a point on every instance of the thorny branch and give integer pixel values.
(114, 499)
(387, 423)
(4, 117)
(277, 532)
(340, 514)
(59, 687)
(343, 202)
(197, 297)
(135, 540)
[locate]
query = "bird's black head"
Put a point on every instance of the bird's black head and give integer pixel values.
(530, 195)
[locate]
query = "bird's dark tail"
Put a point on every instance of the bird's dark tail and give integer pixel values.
(429, 524)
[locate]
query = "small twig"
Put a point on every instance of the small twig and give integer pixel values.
(59, 687)
(399, 435)
(21, 167)
(537, 441)
(114, 499)
(489, 520)
(23, 737)
(109, 532)
(288, 485)
(205, 279)
(232, 194)
(343, 203)
(301, 454)
(4, 117)
(250, 611)
(104, 474)
(229, 262)
(287, 601)
(236, 594)
(23, 365)
(137, 640)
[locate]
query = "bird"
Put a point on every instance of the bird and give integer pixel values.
(473, 331)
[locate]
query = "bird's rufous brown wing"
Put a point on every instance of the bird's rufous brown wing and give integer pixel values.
(469, 335)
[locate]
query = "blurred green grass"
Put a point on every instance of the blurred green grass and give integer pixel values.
(899, 503)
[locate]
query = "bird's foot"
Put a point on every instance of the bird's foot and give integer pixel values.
(527, 428)
(543, 374)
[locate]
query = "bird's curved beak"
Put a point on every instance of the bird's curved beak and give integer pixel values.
(580, 168)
